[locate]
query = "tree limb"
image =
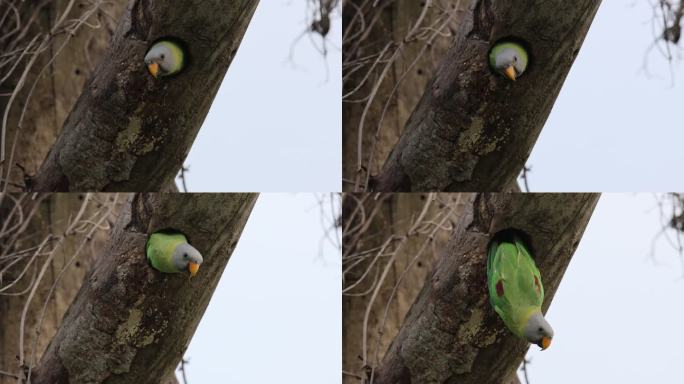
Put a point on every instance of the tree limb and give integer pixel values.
(473, 130)
(129, 323)
(451, 334)
(130, 131)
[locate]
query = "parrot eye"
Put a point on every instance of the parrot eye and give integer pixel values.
(162, 56)
(541, 329)
(185, 256)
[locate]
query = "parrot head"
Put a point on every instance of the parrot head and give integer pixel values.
(186, 258)
(509, 59)
(164, 58)
(538, 331)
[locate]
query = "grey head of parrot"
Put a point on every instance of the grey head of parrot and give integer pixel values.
(186, 258)
(165, 58)
(507, 58)
(538, 331)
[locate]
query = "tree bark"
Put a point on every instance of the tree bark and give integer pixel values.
(61, 83)
(473, 130)
(54, 95)
(451, 334)
(375, 124)
(130, 323)
(130, 131)
(52, 217)
(383, 217)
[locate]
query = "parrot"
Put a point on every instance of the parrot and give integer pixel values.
(165, 58)
(515, 290)
(508, 58)
(170, 252)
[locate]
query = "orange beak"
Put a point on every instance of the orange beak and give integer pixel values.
(154, 69)
(510, 72)
(193, 268)
(545, 342)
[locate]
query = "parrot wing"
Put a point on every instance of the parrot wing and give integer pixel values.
(514, 282)
(160, 247)
(528, 264)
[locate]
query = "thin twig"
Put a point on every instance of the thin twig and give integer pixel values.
(182, 370)
(525, 177)
(181, 176)
(524, 370)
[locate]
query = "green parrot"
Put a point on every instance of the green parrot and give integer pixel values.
(515, 290)
(170, 253)
(165, 58)
(508, 58)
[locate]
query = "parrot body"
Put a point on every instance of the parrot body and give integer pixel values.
(509, 59)
(165, 58)
(515, 290)
(171, 253)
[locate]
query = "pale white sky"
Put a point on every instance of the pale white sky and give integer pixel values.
(617, 314)
(276, 315)
(276, 123)
(614, 128)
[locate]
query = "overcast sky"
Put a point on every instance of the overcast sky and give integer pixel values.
(618, 313)
(276, 123)
(276, 315)
(614, 128)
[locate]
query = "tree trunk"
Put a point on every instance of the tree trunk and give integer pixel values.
(129, 131)
(55, 92)
(411, 227)
(130, 323)
(473, 130)
(416, 34)
(52, 217)
(451, 334)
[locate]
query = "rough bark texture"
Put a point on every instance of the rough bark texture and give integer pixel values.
(61, 83)
(130, 323)
(473, 130)
(403, 84)
(130, 131)
(52, 217)
(391, 214)
(451, 334)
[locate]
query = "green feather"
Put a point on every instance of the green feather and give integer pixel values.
(160, 247)
(518, 296)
